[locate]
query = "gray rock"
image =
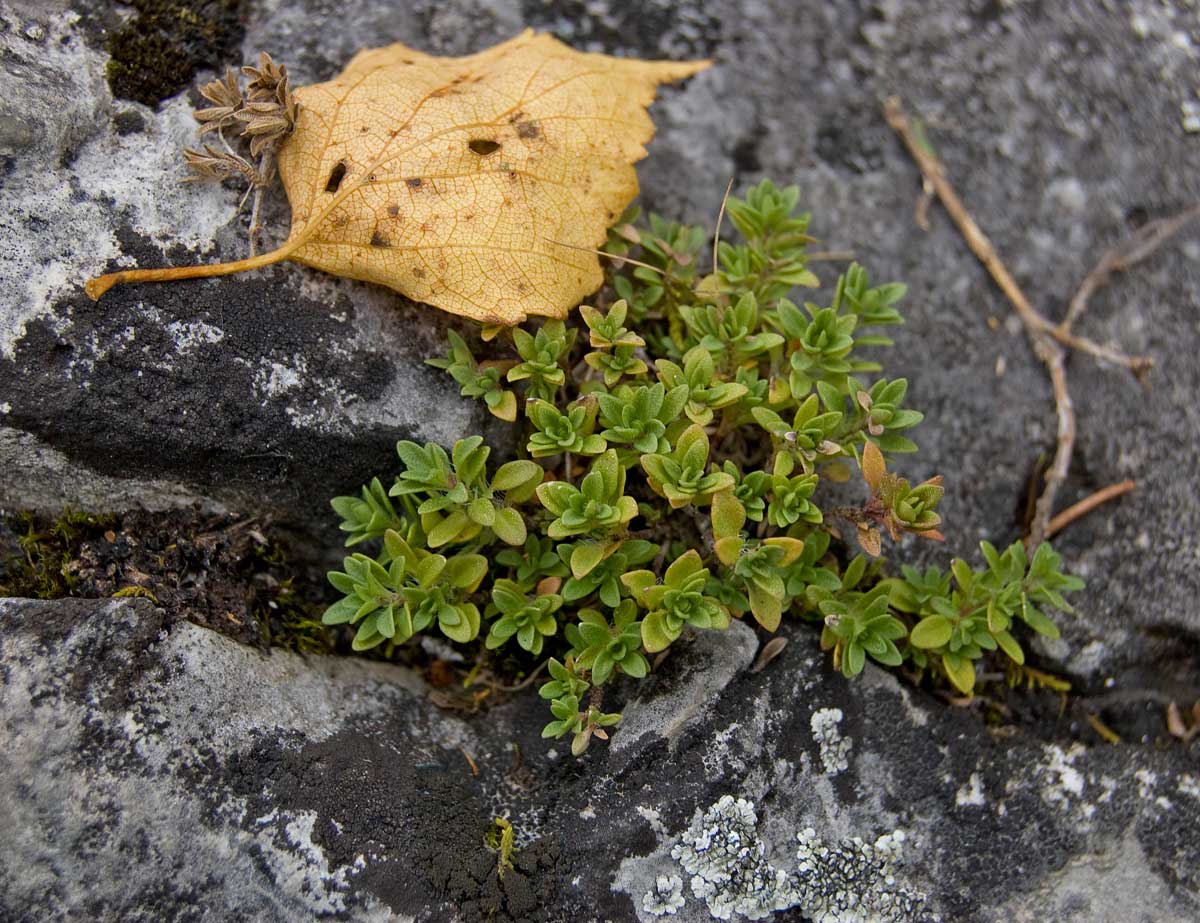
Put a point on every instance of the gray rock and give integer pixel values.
(1059, 124)
(157, 771)
(269, 393)
(276, 390)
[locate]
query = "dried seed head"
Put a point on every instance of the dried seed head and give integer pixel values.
(212, 164)
(264, 79)
(269, 114)
(266, 124)
(226, 98)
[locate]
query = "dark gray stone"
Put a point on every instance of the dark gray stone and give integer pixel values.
(158, 771)
(1063, 125)
(271, 392)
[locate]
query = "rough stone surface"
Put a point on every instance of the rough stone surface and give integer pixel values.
(273, 393)
(157, 771)
(1064, 126)
(1060, 123)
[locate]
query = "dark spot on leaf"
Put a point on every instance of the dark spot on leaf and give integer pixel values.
(483, 146)
(528, 130)
(418, 272)
(393, 210)
(378, 240)
(336, 175)
(364, 129)
(415, 182)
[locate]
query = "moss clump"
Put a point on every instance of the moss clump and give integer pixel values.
(39, 566)
(219, 572)
(156, 53)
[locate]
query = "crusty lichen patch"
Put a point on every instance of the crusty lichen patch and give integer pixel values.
(725, 861)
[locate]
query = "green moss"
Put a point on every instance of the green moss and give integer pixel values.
(156, 53)
(245, 587)
(40, 566)
(286, 620)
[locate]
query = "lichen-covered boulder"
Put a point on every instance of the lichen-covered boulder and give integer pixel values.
(153, 770)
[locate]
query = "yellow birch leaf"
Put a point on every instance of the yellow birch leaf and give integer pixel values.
(474, 184)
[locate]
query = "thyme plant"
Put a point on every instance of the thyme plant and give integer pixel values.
(678, 442)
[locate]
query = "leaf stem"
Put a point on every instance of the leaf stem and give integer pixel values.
(96, 287)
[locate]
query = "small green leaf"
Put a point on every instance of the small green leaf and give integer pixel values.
(961, 671)
(932, 631)
(481, 511)
(584, 558)
(448, 529)
(656, 634)
(509, 526)
(1009, 645)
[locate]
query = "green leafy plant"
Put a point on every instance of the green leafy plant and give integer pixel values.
(457, 500)
(530, 620)
(541, 356)
(678, 601)
(683, 475)
(965, 613)
(680, 447)
(479, 381)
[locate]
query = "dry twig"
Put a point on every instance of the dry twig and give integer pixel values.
(1144, 241)
(1086, 505)
(1046, 338)
(1045, 348)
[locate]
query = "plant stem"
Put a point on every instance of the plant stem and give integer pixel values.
(260, 184)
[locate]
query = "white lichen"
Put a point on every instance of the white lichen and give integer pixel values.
(855, 882)
(666, 898)
(851, 882)
(835, 749)
(971, 794)
(727, 860)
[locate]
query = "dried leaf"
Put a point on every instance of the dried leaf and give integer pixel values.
(872, 466)
(1176, 726)
(769, 652)
(870, 540)
(475, 184)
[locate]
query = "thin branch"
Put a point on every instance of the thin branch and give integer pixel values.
(264, 165)
(1147, 239)
(1086, 505)
(1044, 346)
(921, 210)
(1139, 365)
